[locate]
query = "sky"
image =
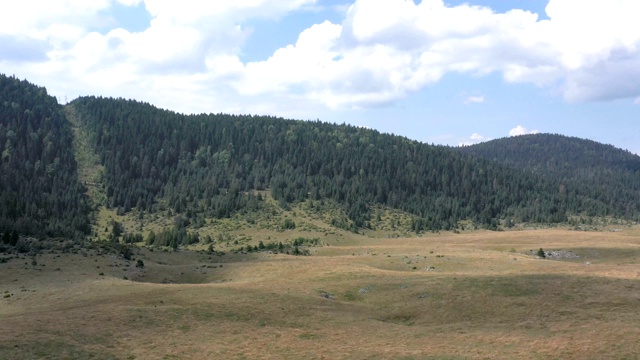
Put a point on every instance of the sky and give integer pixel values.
(444, 72)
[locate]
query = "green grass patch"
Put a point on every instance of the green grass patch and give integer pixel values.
(309, 336)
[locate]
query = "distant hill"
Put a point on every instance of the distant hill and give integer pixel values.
(39, 190)
(601, 175)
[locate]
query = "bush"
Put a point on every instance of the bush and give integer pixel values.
(22, 246)
(288, 224)
(140, 263)
(541, 253)
(126, 252)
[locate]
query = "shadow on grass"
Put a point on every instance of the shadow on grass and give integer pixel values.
(523, 301)
(50, 349)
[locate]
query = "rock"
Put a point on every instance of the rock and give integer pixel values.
(326, 295)
(557, 254)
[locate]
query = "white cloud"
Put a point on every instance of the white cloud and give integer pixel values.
(304, 63)
(184, 60)
(386, 49)
(31, 18)
(129, 2)
(474, 100)
(475, 138)
(521, 130)
(381, 52)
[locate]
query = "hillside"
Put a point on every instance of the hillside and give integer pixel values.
(606, 177)
(40, 193)
(209, 166)
(140, 160)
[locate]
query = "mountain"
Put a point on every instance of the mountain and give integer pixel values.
(210, 165)
(40, 193)
(601, 175)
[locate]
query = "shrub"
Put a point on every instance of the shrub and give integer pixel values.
(288, 224)
(22, 246)
(126, 252)
(541, 253)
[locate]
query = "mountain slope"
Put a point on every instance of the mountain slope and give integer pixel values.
(39, 189)
(606, 177)
(214, 166)
(207, 165)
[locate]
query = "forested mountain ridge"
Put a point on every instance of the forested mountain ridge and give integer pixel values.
(206, 165)
(582, 167)
(39, 190)
(210, 166)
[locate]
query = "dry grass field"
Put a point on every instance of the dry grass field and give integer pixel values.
(477, 295)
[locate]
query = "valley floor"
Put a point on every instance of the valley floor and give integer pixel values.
(478, 295)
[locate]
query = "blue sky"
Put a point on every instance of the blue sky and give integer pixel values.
(446, 72)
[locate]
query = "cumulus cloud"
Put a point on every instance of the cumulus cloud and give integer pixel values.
(521, 130)
(184, 60)
(189, 58)
(34, 18)
(587, 50)
(475, 138)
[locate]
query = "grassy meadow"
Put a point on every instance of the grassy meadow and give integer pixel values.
(475, 295)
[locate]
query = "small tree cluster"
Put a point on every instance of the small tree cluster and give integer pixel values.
(132, 238)
(541, 254)
(306, 241)
(288, 224)
(10, 237)
(173, 238)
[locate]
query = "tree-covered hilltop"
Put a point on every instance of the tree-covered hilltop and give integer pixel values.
(39, 189)
(210, 166)
(605, 177)
(207, 165)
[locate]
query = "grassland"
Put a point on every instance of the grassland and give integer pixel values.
(477, 295)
